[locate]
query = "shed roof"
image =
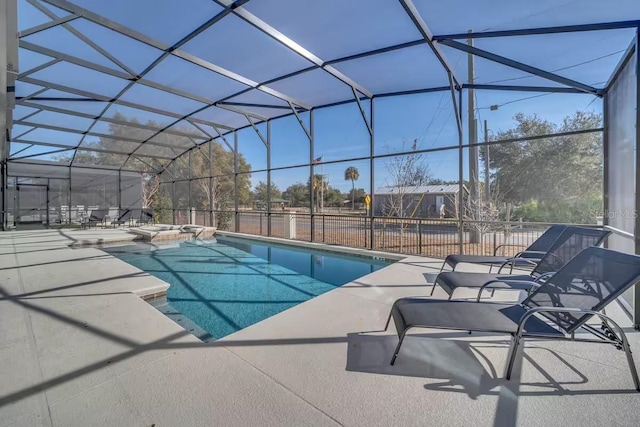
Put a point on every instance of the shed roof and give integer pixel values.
(419, 189)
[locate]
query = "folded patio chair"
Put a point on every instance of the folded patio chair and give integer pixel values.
(97, 216)
(146, 216)
(570, 242)
(124, 216)
(555, 310)
(527, 258)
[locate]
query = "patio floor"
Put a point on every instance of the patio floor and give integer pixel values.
(79, 347)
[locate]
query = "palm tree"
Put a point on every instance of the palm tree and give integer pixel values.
(352, 174)
(319, 186)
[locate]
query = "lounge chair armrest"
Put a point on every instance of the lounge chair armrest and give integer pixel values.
(544, 276)
(511, 261)
(495, 251)
(520, 254)
(491, 284)
(605, 319)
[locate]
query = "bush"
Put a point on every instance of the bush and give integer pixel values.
(582, 211)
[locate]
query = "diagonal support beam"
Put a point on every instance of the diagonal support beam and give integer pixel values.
(82, 37)
(224, 139)
(145, 163)
(415, 16)
(104, 119)
(255, 128)
(292, 45)
(456, 111)
(33, 113)
(60, 56)
(103, 98)
(41, 154)
(20, 151)
(241, 111)
(34, 94)
(173, 50)
(47, 25)
(23, 134)
(364, 115)
(73, 147)
(38, 68)
(522, 67)
(300, 121)
(72, 59)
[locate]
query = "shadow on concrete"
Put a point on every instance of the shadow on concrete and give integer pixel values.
(462, 366)
(73, 286)
(56, 262)
(458, 366)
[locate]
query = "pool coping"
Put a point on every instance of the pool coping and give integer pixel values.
(367, 253)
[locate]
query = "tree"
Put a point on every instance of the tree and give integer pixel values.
(333, 197)
(216, 193)
(297, 194)
(560, 175)
(352, 174)
(319, 187)
(402, 172)
(260, 193)
(357, 194)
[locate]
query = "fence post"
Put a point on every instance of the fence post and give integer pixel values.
(494, 243)
(419, 230)
(323, 228)
(366, 243)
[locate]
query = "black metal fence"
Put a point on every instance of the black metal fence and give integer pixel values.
(426, 237)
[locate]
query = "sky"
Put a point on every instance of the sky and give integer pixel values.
(328, 29)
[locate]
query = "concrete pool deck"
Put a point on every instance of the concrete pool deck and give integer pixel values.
(78, 346)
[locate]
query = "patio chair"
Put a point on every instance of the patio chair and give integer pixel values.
(96, 217)
(570, 242)
(527, 258)
(146, 216)
(555, 310)
(123, 218)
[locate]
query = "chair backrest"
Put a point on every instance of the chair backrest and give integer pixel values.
(590, 281)
(97, 215)
(146, 214)
(125, 214)
(546, 239)
(570, 243)
(135, 213)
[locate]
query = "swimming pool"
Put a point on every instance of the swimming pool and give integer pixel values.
(224, 285)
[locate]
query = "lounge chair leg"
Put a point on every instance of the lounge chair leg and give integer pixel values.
(625, 346)
(493, 292)
(632, 366)
(397, 350)
(386, 326)
(512, 355)
(627, 351)
(433, 288)
(443, 264)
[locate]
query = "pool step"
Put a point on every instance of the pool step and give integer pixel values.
(162, 305)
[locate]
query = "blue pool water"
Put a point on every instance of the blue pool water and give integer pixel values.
(225, 285)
